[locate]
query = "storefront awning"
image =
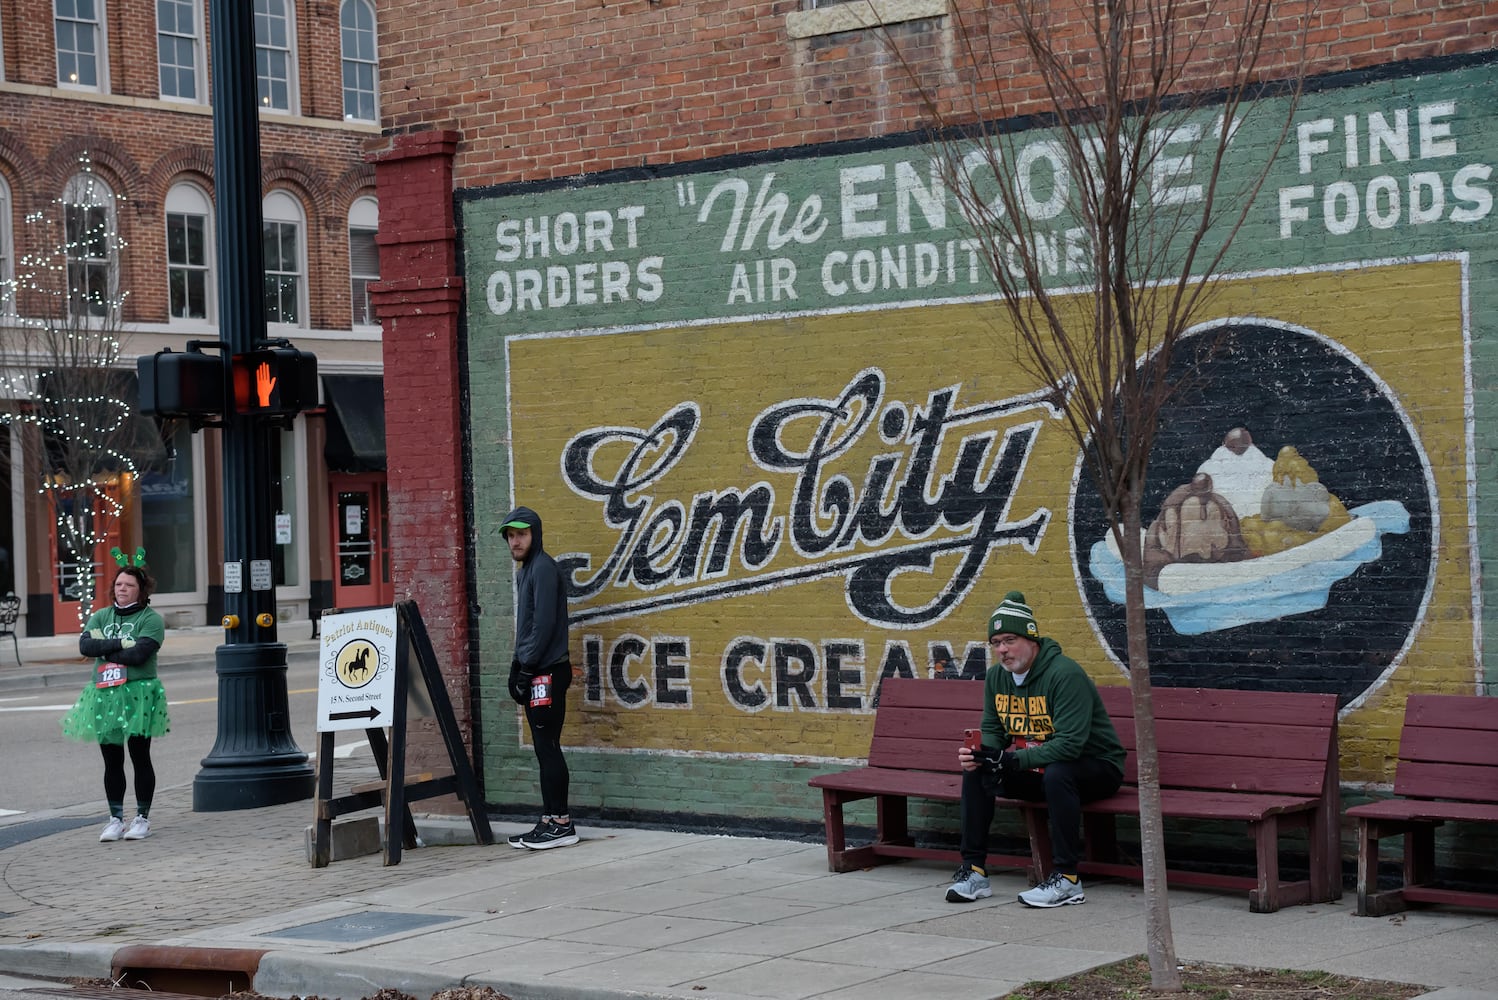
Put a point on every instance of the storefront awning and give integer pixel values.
(356, 423)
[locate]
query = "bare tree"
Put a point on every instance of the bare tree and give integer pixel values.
(1143, 100)
(63, 343)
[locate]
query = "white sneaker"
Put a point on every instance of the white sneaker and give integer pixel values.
(1057, 890)
(140, 829)
(113, 830)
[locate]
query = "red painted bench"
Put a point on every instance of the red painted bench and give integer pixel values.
(1447, 771)
(1265, 759)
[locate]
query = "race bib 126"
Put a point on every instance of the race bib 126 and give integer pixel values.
(110, 675)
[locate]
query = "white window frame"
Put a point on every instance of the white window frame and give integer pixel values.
(363, 216)
(267, 12)
(89, 190)
(101, 46)
(189, 199)
(357, 60)
(828, 17)
(195, 42)
(7, 252)
(284, 208)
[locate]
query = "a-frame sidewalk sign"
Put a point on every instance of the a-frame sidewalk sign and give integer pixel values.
(376, 670)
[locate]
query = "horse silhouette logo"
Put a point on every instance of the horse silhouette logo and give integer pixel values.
(357, 663)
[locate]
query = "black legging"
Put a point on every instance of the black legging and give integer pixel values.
(545, 723)
(114, 771)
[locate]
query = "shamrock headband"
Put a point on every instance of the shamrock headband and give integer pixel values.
(123, 560)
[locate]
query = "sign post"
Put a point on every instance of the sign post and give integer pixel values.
(376, 668)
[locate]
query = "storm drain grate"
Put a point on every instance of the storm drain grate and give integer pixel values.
(359, 926)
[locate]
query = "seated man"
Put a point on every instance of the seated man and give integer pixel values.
(1046, 737)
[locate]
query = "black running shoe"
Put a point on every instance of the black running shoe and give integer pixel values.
(552, 835)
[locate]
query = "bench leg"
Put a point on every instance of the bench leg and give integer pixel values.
(1266, 836)
(893, 820)
(1420, 853)
(1371, 902)
(1038, 828)
(1100, 837)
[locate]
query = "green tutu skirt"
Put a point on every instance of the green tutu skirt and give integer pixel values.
(112, 715)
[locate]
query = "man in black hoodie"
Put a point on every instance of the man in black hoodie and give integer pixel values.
(540, 673)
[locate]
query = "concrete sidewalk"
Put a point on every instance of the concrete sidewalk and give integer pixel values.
(637, 913)
(625, 913)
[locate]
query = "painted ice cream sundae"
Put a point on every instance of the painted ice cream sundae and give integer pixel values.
(1249, 539)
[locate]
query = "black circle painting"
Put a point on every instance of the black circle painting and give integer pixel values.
(1289, 520)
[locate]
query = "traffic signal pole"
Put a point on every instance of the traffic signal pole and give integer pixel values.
(254, 761)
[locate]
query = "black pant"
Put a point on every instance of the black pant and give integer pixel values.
(114, 772)
(1063, 787)
(545, 722)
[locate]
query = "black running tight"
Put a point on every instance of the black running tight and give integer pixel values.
(114, 771)
(546, 733)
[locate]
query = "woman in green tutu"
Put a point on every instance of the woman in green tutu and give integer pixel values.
(123, 704)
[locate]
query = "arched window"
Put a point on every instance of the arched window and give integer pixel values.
(275, 55)
(189, 253)
(361, 86)
(363, 257)
(7, 256)
(285, 259)
(92, 246)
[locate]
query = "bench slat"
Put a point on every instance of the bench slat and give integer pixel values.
(1453, 711)
(908, 692)
(1430, 810)
(1449, 745)
(1185, 804)
(1420, 779)
(1222, 705)
(1239, 774)
(884, 781)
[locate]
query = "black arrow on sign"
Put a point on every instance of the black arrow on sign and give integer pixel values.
(369, 713)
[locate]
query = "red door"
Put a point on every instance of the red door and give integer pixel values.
(361, 559)
(76, 516)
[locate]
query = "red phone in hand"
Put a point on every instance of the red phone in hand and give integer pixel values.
(972, 739)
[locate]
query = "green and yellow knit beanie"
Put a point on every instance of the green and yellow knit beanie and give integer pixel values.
(1014, 616)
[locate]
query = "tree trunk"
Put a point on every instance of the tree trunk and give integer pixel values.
(1165, 974)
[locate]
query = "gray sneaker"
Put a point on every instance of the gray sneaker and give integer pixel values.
(1057, 890)
(967, 885)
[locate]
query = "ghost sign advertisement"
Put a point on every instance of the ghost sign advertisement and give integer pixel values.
(785, 444)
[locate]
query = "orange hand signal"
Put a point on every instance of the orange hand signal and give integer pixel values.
(265, 383)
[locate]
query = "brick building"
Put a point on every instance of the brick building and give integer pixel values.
(684, 278)
(106, 119)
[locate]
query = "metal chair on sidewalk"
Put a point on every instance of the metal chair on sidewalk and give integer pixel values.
(10, 612)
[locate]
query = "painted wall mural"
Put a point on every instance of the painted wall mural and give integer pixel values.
(775, 426)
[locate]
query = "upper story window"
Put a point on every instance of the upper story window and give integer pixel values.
(91, 247)
(363, 257)
(189, 248)
(7, 256)
(179, 44)
(78, 29)
(275, 55)
(285, 260)
(361, 87)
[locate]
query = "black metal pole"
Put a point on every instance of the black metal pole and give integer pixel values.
(254, 761)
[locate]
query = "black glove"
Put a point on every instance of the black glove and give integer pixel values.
(991, 761)
(991, 767)
(520, 683)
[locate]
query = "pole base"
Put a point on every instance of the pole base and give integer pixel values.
(255, 762)
(224, 789)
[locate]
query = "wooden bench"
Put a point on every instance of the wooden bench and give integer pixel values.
(1265, 759)
(1447, 771)
(1268, 759)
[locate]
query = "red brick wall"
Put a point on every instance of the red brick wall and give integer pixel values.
(554, 88)
(418, 306)
(143, 149)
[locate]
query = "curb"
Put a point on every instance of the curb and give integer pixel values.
(58, 960)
